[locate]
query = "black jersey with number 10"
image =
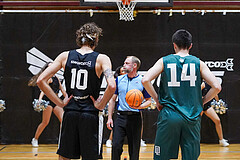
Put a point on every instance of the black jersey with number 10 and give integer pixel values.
(81, 81)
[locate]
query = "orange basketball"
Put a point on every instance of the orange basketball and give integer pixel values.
(134, 98)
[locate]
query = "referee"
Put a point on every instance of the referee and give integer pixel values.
(128, 122)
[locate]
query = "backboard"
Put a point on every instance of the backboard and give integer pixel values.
(140, 3)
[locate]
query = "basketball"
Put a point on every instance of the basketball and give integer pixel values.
(134, 98)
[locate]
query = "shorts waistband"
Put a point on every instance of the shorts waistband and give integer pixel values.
(127, 113)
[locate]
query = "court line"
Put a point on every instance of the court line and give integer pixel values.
(127, 152)
(26, 152)
(3, 148)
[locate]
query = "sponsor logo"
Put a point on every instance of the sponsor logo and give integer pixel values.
(82, 63)
(78, 97)
(228, 64)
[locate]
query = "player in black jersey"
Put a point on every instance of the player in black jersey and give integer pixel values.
(83, 69)
(46, 115)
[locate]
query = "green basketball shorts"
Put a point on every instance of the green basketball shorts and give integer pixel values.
(173, 130)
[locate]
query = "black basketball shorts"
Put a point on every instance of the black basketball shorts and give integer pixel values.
(80, 136)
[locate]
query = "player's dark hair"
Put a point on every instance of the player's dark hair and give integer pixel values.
(33, 81)
(88, 35)
(182, 38)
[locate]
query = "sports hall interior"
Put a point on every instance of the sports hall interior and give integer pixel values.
(48, 27)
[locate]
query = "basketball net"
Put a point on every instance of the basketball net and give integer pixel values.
(126, 8)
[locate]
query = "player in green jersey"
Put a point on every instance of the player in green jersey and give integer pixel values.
(179, 99)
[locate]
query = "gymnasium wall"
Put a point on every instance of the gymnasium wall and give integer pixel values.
(216, 41)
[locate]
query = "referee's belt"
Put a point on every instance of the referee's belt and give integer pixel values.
(127, 113)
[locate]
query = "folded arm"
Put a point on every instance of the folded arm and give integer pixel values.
(42, 81)
(151, 74)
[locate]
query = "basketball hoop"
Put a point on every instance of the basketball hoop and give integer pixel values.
(126, 8)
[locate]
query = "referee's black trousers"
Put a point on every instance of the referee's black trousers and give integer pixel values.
(127, 124)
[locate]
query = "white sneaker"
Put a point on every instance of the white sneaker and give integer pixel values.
(109, 143)
(143, 144)
(223, 143)
(34, 142)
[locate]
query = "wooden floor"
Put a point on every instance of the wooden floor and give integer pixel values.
(48, 152)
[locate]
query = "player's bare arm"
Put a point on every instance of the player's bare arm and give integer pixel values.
(145, 104)
(208, 76)
(151, 74)
(42, 93)
(111, 106)
(42, 81)
(104, 66)
(108, 73)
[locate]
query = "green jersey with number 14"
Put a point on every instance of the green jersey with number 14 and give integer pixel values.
(180, 86)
